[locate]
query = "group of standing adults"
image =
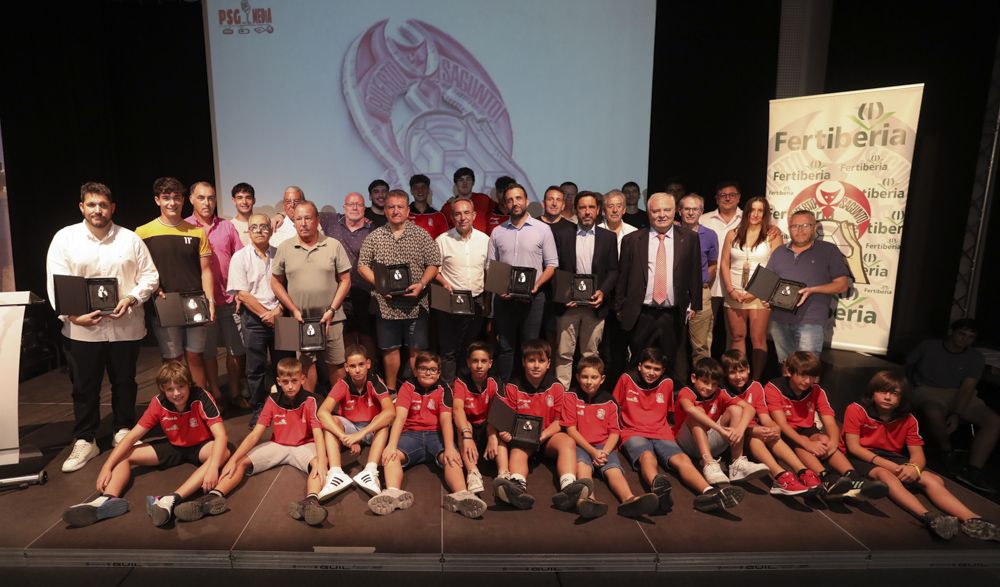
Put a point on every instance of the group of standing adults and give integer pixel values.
(658, 282)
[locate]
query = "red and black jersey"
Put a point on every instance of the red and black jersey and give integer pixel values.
(544, 401)
(800, 411)
(188, 427)
(494, 220)
(435, 223)
(876, 434)
(475, 401)
(423, 405)
(481, 203)
(595, 418)
(643, 407)
(359, 405)
(291, 418)
(753, 394)
(714, 406)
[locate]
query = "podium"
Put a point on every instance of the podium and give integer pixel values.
(12, 320)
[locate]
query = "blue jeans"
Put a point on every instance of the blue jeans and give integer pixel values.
(259, 341)
(790, 337)
(515, 322)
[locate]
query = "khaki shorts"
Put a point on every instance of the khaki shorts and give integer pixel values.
(945, 397)
(333, 354)
(268, 455)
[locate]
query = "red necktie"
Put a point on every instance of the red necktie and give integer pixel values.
(660, 273)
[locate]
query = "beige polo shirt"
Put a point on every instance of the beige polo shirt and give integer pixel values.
(312, 274)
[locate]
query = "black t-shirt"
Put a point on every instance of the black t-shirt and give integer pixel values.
(639, 220)
(377, 220)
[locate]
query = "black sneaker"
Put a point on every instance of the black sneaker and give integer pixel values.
(512, 493)
(640, 505)
(566, 499)
(943, 527)
(661, 488)
(591, 508)
(976, 479)
(836, 489)
(866, 488)
(717, 498)
(210, 504)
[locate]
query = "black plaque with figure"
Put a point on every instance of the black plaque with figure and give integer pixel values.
(522, 281)
(102, 294)
(182, 308)
(583, 288)
(456, 301)
(76, 296)
(780, 294)
(311, 336)
(525, 430)
(391, 280)
(195, 308)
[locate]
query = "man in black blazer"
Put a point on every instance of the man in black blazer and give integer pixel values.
(584, 248)
(659, 286)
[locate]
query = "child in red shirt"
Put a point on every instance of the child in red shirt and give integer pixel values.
(297, 440)
(357, 412)
(474, 389)
(422, 432)
(876, 432)
(795, 401)
(764, 439)
(539, 394)
(194, 434)
(707, 421)
(645, 397)
(590, 416)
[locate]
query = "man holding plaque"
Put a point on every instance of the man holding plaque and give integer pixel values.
(183, 257)
(311, 276)
(463, 267)
(399, 257)
(526, 244)
(823, 269)
(590, 254)
(659, 281)
(100, 341)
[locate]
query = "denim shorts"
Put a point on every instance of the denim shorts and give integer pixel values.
(420, 446)
(664, 450)
(174, 340)
(352, 427)
(411, 333)
(613, 461)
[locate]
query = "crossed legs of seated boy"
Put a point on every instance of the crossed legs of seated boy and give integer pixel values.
(697, 440)
(848, 484)
(417, 447)
(513, 489)
(767, 446)
(262, 457)
(645, 454)
(111, 482)
(630, 504)
(337, 480)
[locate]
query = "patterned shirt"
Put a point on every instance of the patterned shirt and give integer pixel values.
(415, 248)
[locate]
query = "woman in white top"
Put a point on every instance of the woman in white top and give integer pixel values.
(746, 247)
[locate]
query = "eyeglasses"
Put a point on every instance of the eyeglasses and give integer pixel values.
(259, 228)
(690, 209)
(354, 205)
(428, 370)
(803, 226)
(730, 195)
(293, 202)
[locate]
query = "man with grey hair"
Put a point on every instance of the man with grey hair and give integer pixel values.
(311, 276)
(285, 228)
(614, 211)
(700, 326)
(615, 339)
(351, 228)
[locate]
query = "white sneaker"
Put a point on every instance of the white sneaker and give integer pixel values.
(368, 482)
(119, 436)
(82, 452)
(335, 483)
(713, 473)
(389, 501)
(465, 503)
(742, 469)
(474, 482)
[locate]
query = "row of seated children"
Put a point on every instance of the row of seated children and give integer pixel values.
(720, 411)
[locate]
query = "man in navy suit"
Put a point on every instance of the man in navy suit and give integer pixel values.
(584, 249)
(659, 281)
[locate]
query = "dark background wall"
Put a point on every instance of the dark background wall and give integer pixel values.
(117, 91)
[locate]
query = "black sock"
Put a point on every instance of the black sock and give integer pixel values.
(801, 472)
(926, 517)
(217, 492)
(312, 497)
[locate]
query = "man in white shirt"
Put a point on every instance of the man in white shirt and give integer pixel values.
(721, 220)
(615, 339)
(98, 247)
(250, 283)
(285, 229)
(463, 268)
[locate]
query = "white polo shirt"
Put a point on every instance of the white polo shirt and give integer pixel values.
(721, 228)
(463, 260)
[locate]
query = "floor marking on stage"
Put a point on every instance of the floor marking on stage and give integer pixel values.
(344, 549)
(256, 509)
(842, 529)
(44, 532)
(646, 536)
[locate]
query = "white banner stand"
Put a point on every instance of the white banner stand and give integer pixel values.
(11, 321)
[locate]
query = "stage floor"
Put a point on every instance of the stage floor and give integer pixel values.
(764, 532)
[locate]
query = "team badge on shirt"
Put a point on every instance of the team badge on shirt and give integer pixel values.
(659, 398)
(193, 422)
(600, 413)
(549, 401)
(430, 404)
